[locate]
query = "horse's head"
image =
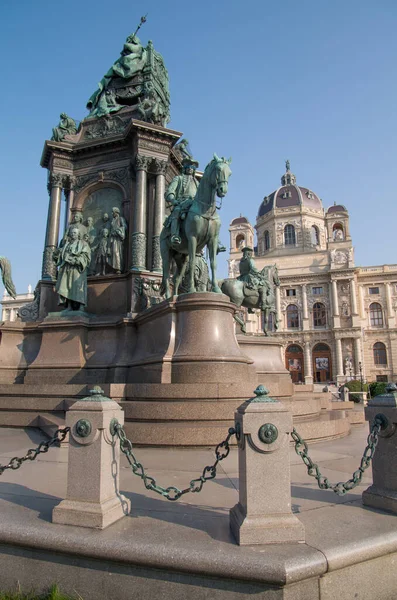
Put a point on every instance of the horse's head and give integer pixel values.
(220, 173)
(276, 279)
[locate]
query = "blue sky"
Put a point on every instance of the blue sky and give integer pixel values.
(261, 81)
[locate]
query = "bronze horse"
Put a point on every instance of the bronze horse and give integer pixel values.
(241, 296)
(200, 228)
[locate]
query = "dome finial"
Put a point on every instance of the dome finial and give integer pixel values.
(288, 178)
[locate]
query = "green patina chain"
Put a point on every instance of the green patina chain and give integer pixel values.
(33, 453)
(340, 488)
(171, 493)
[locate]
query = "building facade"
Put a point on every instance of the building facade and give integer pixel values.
(336, 321)
(10, 305)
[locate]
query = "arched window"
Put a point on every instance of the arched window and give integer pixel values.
(380, 356)
(319, 315)
(289, 235)
(337, 232)
(315, 235)
(240, 241)
(292, 317)
(376, 315)
(267, 240)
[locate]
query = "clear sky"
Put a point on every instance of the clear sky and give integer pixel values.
(261, 81)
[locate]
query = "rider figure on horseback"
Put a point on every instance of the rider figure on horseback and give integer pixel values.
(180, 194)
(253, 278)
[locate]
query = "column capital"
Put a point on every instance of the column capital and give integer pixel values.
(72, 181)
(159, 166)
(57, 180)
(142, 162)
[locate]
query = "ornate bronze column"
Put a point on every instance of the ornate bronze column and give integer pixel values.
(160, 167)
(55, 185)
(138, 238)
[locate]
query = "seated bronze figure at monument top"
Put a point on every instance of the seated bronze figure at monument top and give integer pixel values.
(137, 78)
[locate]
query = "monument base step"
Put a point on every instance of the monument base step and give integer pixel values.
(164, 414)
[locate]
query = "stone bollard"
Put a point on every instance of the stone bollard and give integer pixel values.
(93, 498)
(263, 514)
(383, 492)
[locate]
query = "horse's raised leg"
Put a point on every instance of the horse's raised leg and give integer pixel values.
(192, 262)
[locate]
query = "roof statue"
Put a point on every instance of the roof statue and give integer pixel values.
(139, 79)
(67, 126)
(287, 165)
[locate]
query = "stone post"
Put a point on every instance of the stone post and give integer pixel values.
(138, 238)
(263, 514)
(52, 232)
(383, 491)
(160, 167)
(308, 363)
(93, 498)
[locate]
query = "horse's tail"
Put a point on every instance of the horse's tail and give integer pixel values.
(5, 267)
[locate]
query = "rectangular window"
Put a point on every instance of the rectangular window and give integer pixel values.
(317, 291)
(381, 378)
(373, 290)
(290, 292)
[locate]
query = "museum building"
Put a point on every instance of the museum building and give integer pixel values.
(336, 321)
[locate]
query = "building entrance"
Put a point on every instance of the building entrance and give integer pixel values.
(294, 363)
(322, 364)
